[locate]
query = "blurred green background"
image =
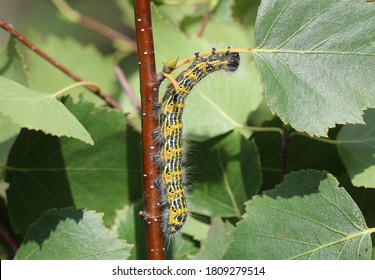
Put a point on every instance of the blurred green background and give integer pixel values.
(43, 16)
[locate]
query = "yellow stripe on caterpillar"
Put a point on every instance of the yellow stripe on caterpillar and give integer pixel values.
(169, 134)
(171, 176)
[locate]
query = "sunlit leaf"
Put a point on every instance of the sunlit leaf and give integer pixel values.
(46, 172)
(316, 59)
(38, 111)
(356, 146)
(68, 234)
(306, 217)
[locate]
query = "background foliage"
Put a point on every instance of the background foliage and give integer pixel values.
(311, 76)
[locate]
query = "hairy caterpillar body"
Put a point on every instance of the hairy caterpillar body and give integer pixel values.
(171, 181)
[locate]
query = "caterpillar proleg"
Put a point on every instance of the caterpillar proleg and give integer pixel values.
(171, 182)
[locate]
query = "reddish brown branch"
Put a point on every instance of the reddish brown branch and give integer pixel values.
(8, 239)
(211, 7)
(205, 22)
(110, 102)
(127, 88)
(284, 151)
(107, 32)
(94, 25)
(149, 97)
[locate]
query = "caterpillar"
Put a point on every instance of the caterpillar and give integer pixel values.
(170, 159)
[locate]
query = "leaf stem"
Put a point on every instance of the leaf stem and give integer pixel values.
(109, 101)
(337, 241)
(320, 139)
(218, 51)
(255, 51)
(173, 81)
(68, 88)
(264, 129)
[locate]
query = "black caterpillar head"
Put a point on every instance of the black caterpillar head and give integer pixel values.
(233, 59)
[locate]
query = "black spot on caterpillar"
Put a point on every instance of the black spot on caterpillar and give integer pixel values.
(171, 182)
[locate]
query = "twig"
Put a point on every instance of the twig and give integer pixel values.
(211, 7)
(149, 97)
(68, 88)
(94, 25)
(320, 139)
(263, 129)
(109, 101)
(168, 68)
(205, 22)
(8, 239)
(127, 88)
(284, 151)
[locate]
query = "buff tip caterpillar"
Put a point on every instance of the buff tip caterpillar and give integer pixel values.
(170, 159)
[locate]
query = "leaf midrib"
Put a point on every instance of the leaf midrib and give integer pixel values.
(347, 238)
(309, 52)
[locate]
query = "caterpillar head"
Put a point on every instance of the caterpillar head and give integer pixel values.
(233, 60)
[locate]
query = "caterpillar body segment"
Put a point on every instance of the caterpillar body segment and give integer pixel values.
(170, 160)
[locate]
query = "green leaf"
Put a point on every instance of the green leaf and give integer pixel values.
(195, 228)
(84, 61)
(162, 30)
(246, 11)
(68, 234)
(128, 226)
(178, 13)
(7, 137)
(46, 172)
(214, 245)
(306, 217)
(364, 198)
(180, 249)
(221, 102)
(11, 63)
(34, 110)
(269, 148)
(229, 174)
(221, 22)
(166, 32)
(316, 59)
(127, 8)
(356, 146)
(11, 67)
(303, 152)
(309, 153)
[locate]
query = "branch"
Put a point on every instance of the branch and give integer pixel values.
(8, 239)
(149, 97)
(94, 25)
(284, 150)
(127, 88)
(211, 7)
(109, 101)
